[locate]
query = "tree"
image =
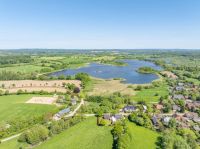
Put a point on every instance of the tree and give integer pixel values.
(172, 123)
(61, 77)
(99, 115)
(7, 92)
(34, 135)
(117, 130)
(76, 90)
(167, 108)
(103, 122)
(84, 78)
(181, 103)
(180, 143)
(138, 88)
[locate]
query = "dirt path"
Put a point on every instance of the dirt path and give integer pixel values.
(11, 137)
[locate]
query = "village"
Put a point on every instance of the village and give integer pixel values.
(180, 107)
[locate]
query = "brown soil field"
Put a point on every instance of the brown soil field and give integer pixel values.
(42, 100)
(35, 85)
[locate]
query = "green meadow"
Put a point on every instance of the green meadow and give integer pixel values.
(85, 135)
(23, 68)
(151, 94)
(14, 106)
(142, 138)
(11, 144)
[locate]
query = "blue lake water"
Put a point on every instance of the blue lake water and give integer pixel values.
(104, 71)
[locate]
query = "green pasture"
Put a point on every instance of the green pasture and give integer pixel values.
(142, 138)
(23, 68)
(85, 135)
(14, 106)
(152, 94)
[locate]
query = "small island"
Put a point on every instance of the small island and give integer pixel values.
(146, 70)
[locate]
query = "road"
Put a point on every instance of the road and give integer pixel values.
(75, 110)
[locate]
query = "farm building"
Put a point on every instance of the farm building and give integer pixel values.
(61, 113)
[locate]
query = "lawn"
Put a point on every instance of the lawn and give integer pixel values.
(152, 94)
(85, 135)
(142, 138)
(14, 106)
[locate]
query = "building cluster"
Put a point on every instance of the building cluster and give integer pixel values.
(187, 114)
(124, 112)
(65, 111)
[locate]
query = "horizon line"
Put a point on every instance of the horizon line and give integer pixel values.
(100, 48)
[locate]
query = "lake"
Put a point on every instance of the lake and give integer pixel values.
(128, 73)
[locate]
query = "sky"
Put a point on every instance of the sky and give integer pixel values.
(100, 24)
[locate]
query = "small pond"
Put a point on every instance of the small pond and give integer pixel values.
(128, 73)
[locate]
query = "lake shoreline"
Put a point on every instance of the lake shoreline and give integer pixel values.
(126, 74)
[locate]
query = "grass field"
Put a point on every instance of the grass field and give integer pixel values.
(142, 138)
(85, 135)
(14, 106)
(12, 144)
(149, 95)
(23, 68)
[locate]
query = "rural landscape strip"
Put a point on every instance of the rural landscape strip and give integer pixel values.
(40, 108)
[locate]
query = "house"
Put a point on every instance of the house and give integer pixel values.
(144, 108)
(113, 119)
(129, 108)
(166, 120)
(178, 117)
(179, 88)
(191, 115)
(180, 84)
(196, 119)
(196, 128)
(116, 117)
(154, 120)
(158, 106)
(64, 111)
(179, 97)
(61, 113)
(107, 116)
(176, 108)
(73, 101)
(190, 85)
(192, 106)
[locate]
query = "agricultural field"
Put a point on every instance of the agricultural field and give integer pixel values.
(142, 138)
(15, 106)
(85, 135)
(34, 85)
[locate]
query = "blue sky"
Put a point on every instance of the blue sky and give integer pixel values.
(99, 24)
